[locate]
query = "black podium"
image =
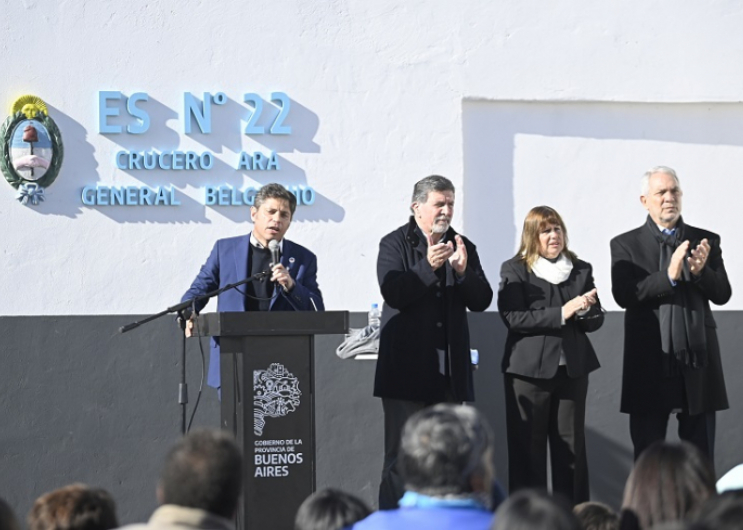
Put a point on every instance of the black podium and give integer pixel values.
(273, 419)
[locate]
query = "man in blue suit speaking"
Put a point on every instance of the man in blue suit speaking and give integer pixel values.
(292, 285)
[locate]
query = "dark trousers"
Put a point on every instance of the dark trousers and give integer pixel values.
(698, 429)
(542, 413)
(396, 413)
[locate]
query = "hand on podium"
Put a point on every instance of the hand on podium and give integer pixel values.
(188, 330)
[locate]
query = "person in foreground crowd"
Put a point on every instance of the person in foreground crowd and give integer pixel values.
(669, 482)
(330, 509)
(200, 484)
(293, 282)
(8, 520)
(665, 273)
(532, 509)
(74, 507)
(596, 516)
(548, 302)
(429, 276)
(446, 462)
(722, 512)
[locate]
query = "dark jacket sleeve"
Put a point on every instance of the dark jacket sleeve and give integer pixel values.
(475, 288)
(514, 306)
(306, 290)
(401, 287)
(630, 286)
(595, 316)
(206, 281)
(713, 282)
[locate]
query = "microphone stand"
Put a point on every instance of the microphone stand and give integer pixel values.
(180, 310)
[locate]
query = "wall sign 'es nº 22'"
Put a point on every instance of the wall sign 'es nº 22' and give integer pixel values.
(118, 114)
(31, 153)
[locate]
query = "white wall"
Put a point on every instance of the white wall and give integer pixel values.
(586, 160)
(519, 103)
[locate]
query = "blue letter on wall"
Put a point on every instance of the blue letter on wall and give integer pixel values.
(141, 115)
(104, 111)
(203, 117)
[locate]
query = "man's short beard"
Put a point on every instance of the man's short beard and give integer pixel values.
(439, 228)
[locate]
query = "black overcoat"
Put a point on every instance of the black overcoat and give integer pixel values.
(413, 316)
(640, 288)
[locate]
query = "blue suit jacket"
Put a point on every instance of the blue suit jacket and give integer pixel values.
(228, 263)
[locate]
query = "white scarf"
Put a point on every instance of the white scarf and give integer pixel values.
(554, 273)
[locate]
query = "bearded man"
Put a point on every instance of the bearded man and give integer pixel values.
(429, 276)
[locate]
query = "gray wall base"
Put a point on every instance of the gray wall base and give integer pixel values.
(81, 403)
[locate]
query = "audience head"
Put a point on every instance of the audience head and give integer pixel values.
(8, 520)
(596, 516)
(446, 450)
(670, 482)
(535, 510)
(203, 470)
(677, 525)
(330, 509)
(723, 512)
(74, 507)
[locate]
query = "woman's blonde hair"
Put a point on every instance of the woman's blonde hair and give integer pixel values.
(537, 220)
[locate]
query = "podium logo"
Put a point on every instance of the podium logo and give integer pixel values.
(275, 394)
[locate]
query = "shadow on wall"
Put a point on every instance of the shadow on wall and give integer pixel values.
(490, 130)
(488, 187)
(608, 443)
(305, 125)
(488, 335)
(609, 464)
(226, 141)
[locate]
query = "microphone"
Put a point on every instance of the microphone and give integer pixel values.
(273, 246)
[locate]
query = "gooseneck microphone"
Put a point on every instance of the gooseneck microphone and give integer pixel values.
(273, 246)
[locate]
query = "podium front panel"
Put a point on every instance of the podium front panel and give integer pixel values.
(268, 403)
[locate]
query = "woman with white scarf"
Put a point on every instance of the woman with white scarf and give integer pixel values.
(548, 302)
